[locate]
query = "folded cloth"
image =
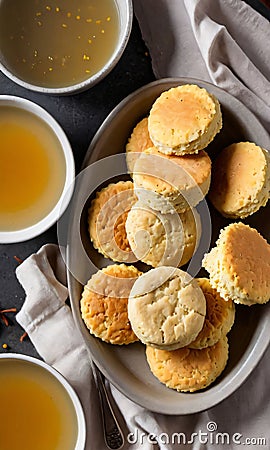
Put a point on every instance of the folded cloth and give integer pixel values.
(224, 42)
(49, 323)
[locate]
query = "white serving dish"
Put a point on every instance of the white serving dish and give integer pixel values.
(126, 366)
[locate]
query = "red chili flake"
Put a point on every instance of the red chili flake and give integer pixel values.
(19, 260)
(23, 336)
(3, 317)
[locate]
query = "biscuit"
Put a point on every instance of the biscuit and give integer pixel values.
(171, 183)
(188, 370)
(104, 304)
(137, 143)
(166, 308)
(106, 221)
(239, 265)
(162, 239)
(184, 119)
(219, 319)
(241, 180)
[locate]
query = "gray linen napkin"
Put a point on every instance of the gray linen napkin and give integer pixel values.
(226, 42)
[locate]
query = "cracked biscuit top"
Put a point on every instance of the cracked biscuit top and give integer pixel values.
(188, 370)
(104, 304)
(184, 119)
(219, 318)
(166, 308)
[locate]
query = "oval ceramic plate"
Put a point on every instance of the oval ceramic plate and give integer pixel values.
(126, 367)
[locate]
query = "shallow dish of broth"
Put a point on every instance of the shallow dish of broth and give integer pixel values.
(60, 44)
(39, 409)
(36, 170)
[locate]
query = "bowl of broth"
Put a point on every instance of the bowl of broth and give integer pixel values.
(61, 46)
(39, 409)
(36, 170)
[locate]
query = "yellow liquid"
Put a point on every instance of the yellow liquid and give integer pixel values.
(57, 43)
(35, 413)
(32, 169)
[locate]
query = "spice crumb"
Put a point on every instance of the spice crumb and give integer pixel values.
(19, 260)
(23, 336)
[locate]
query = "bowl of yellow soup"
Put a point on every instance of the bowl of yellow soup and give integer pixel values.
(39, 409)
(61, 46)
(36, 170)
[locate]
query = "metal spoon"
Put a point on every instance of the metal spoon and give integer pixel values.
(113, 435)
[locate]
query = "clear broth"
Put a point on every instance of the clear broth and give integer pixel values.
(57, 43)
(36, 413)
(32, 169)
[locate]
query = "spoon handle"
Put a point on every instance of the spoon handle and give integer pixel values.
(113, 435)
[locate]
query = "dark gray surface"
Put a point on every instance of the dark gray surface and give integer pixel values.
(80, 116)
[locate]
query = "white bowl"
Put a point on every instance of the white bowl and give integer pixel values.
(125, 13)
(63, 201)
(81, 435)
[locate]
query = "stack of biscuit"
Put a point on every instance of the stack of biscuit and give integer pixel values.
(171, 173)
(183, 322)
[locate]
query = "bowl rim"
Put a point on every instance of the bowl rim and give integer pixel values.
(8, 237)
(94, 79)
(81, 438)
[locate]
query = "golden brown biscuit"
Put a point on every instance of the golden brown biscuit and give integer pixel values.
(239, 265)
(137, 143)
(162, 239)
(188, 370)
(106, 220)
(219, 317)
(171, 183)
(240, 180)
(184, 119)
(104, 304)
(166, 308)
